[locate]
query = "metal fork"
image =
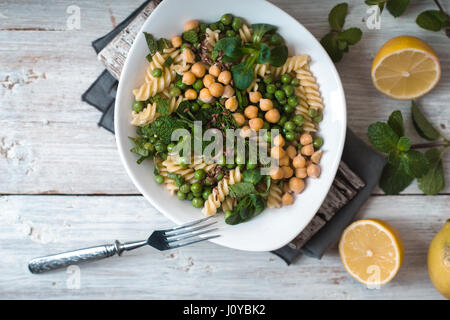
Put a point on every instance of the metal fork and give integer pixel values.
(159, 239)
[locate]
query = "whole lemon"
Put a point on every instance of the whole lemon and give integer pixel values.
(439, 260)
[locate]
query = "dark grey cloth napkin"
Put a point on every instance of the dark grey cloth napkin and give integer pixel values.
(362, 159)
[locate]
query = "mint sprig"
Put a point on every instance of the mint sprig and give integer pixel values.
(405, 162)
(337, 41)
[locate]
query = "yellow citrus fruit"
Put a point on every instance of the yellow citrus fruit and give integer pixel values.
(405, 68)
(439, 260)
(371, 251)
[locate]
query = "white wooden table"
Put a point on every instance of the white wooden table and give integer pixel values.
(62, 185)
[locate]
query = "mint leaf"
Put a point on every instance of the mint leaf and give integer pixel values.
(424, 128)
(403, 144)
(190, 36)
(260, 29)
(396, 122)
(433, 20)
(278, 56)
(394, 178)
(162, 106)
(397, 7)
(329, 43)
(163, 44)
(433, 181)
(415, 163)
(242, 76)
(351, 35)
(337, 15)
(241, 189)
(342, 45)
(264, 53)
(168, 62)
(151, 43)
(382, 137)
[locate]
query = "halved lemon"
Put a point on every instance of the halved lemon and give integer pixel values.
(371, 251)
(405, 68)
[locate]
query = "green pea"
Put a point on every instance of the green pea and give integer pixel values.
(288, 109)
(180, 84)
(197, 202)
(160, 147)
(195, 107)
(206, 106)
(251, 166)
(295, 82)
(318, 118)
(175, 92)
(198, 85)
(312, 112)
(276, 39)
(196, 187)
(163, 156)
(240, 159)
(185, 188)
(148, 146)
(181, 195)
(226, 19)
(159, 179)
(190, 196)
(271, 88)
(183, 161)
(288, 89)
(286, 78)
(220, 26)
(213, 26)
(157, 72)
(268, 79)
(230, 33)
(317, 142)
(203, 27)
(206, 194)
(220, 177)
(207, 182)
(282, 120)
(199, 174)
(152, 140)
(197, 194)
(268, 136)
(222, 161)
(289, 125)
(290, 136)
(228, 214)
(231, 166)
(280, 95)
(237, 23)
(293, 101)
(138, 106)
(298, 119)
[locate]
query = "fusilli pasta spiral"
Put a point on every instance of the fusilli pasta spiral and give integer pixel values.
(146, 116)
(308, 82)
(274, 197)
(246, 33)
(292, 64)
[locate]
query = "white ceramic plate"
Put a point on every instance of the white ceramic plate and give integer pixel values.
(274, 228)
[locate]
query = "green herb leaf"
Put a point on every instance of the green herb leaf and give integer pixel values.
(149, 57)
(330, 44)
(397, 7)
(433, 20)
(162, 106)
(242, 76)
(342, 45)
(163, 44)
(415, 163)
(163, 127)
(151, 43)
(351, 35)
(396, 122)
(382, 137)
(242, 189)
(278, 56)
(337, 15)
(168, 62)
(424, 128)
(403, 144)
(231, 47)
(433, 181)
(190, 36)
(260, 29)
(394, 178)
(252, 176)
(264, 53)
(268, 183)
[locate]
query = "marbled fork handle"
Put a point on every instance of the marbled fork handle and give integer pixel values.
(61, 260)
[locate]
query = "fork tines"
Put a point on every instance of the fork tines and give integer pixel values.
(187, 231)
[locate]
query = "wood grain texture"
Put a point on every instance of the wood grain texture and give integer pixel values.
(39, 225)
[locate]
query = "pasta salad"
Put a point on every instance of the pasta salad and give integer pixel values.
(228, 118)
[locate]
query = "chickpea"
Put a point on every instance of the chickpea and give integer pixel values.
(176, 41)
(255, 96)
(287, 199)
(216, 89)
(266, 104)
(272, 116)
(256, 123)
(189, 78)
(251, 112)
(276, 173)
(208, 80)
(245, 132)
(225, 77)
(315, 158)
(278, 140)
(228, 92)
(191, 24)
(297, 185)
(306, 139)
(214, 71)
(284, 161)
(299, 162)
(190, 94)
(307, 150)
(198, 69)
(205, 95)
(301, 173)
(288, 172)
(239, 118)
(277, 152)
(291, 151)
(231, 104)
(188, 56)
(313, 171)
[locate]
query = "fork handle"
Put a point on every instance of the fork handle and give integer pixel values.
(61, 260)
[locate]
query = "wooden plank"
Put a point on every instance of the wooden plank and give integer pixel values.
(32, 226)
(49, 138)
